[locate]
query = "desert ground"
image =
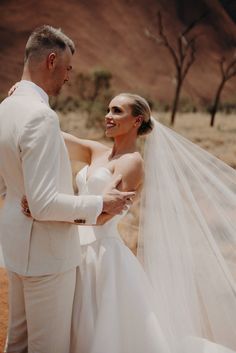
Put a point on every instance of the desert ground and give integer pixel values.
(220, 141)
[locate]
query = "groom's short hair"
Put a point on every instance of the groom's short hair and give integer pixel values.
(44, 39)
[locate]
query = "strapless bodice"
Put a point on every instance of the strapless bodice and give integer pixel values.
(95, 185)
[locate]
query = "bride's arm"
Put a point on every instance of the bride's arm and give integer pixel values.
(81, 149)
(132, 170)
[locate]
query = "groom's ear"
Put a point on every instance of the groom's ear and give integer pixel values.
(51, 61)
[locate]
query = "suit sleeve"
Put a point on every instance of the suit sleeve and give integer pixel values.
(40, 154)
(3, 188)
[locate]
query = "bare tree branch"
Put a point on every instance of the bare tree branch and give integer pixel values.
(183, 54)
(165, 40)
(230, 67)
(180, 48)
(222, 70)
(232, 74)
(191, 59)
(228, 70)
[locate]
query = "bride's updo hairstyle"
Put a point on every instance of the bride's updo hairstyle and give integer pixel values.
(140, 106)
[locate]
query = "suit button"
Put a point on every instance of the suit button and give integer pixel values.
(80, 221)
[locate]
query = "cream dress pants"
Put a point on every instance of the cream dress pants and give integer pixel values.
(40, 313)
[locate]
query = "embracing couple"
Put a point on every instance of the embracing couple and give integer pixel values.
(86, 292)
(50, 281)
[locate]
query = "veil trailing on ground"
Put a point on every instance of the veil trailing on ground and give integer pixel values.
(187, 241)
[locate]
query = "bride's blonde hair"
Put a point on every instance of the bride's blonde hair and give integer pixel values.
(140, 106)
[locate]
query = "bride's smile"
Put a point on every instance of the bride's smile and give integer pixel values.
(119, 119)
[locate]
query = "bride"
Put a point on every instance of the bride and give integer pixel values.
(179, 295)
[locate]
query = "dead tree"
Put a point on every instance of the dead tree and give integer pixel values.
(183, 54)
(227, 70)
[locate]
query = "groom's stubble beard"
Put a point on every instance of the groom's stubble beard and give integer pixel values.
(56, 84)
(57, 90)
(60, 76)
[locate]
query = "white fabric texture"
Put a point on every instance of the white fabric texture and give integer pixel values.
(187, 240)
(34, 162)
(40, 313)
(119, 308)
(113, 308)
(36, 88)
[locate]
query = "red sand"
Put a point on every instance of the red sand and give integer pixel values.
(3, 308)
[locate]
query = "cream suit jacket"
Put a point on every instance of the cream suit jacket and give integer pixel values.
(34, 162)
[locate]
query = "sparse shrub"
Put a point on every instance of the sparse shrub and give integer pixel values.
(2, 97)
(90, 86)
(224, 107)
(94, 92)
(96, 115)
(83, 86)
(91, 93)
(161, 106)
(227, 107)
(65, 104)
(101, 79)
(186, 105)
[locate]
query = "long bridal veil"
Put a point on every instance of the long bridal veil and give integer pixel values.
(187, 242)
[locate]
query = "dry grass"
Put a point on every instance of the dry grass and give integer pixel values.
(220, 140)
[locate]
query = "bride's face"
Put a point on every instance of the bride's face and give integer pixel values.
(119, 119)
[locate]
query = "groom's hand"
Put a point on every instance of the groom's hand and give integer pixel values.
(115, 201)
(25, 207)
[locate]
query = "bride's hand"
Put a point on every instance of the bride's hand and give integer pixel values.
(12, 89)
(25, 207)
(115, 201)
(103, 218)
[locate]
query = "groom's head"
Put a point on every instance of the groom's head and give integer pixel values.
(48, 56)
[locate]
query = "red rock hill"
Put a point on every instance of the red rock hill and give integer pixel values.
(111, 35)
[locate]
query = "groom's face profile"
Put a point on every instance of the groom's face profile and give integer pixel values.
(59, 65)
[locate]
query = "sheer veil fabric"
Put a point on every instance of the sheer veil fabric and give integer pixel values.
(187, 242)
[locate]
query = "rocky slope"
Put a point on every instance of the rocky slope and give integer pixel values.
(111, 35)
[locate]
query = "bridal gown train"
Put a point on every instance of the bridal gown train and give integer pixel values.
(114, 308)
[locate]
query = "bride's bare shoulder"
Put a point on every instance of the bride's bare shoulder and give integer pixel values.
(131, 167)
(131, 160)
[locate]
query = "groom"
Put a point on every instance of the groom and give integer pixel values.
(41, 253)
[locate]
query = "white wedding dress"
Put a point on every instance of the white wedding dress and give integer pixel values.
(113, 302)
(114, 308)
